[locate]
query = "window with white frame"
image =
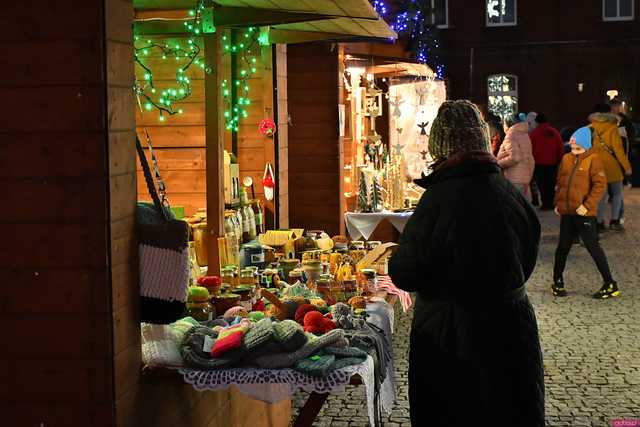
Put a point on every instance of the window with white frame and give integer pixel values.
(617, 10)
(440, 13)
(501, 13)
(502, 95)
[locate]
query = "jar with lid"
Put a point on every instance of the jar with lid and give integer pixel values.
(294, 276)
(201, 311)
(371, 245)
(369, 280)
(247, 277)
(230, 276)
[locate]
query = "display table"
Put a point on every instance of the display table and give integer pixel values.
(275, 385)
(362, 225)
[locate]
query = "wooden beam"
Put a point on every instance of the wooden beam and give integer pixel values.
(277, 36)
(214, 151)
(228, 16)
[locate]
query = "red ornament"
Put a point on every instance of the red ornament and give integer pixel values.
(267, 127)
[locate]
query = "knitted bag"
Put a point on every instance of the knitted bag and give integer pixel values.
(163, 253)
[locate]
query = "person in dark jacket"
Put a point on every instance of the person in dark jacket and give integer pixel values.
(468, 250)
(548, 150)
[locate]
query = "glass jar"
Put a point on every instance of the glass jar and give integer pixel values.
(294, 276)
(201, 239)
(201, 311)
(230, 276)
(372, 245)
(247, 277)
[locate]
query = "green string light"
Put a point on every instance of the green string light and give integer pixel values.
(186, 57)
(246, 53)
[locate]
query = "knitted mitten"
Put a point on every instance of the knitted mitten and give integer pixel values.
(313, 345)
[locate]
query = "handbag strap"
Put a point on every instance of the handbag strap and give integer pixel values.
(608, 149)
(149, 180)
(162, 190)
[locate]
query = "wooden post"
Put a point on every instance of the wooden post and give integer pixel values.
(214, 137)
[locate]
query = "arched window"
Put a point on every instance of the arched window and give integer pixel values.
(502, 94)
(501, 13)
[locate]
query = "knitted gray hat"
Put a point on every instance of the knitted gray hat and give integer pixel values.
(289, 334)
(458, 128)
(313, 345)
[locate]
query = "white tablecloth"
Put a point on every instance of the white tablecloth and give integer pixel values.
(362, 225)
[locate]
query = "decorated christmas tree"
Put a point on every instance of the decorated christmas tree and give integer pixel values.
(376, 196)
(363, 194)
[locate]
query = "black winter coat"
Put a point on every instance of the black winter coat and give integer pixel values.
(467, 251)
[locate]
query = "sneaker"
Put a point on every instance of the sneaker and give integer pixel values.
(601, 227)
(557, 289)
(608, 290)
(616, 226)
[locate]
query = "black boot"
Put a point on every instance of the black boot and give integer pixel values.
(557, 289)
(615, 225)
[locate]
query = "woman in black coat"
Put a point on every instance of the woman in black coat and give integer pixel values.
(467, 252)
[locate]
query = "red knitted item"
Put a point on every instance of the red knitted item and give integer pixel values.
(229, 342)
(259, 306)
(302, 310)
(316, 323)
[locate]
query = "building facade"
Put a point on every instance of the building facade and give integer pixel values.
(556, 57)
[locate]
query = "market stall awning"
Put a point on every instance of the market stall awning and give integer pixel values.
(289, 21)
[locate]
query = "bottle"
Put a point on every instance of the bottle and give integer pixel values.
(246, 227)
(257, 210)
(243, 197)
(251, 222)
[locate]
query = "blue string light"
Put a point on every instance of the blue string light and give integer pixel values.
(412, 19)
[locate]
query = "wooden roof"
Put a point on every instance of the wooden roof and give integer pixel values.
(290, 21)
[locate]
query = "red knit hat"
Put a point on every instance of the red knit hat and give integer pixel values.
(302, 310)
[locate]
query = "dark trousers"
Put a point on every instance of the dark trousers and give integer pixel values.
(572, 226)
(545, 177)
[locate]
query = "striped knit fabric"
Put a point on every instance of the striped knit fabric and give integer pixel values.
(384, 282)
(164, 273)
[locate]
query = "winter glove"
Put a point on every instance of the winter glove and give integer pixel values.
(582, 211)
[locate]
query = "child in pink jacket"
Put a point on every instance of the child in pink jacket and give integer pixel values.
(515, 156)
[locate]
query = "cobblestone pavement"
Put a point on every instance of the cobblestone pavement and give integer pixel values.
(591, 348)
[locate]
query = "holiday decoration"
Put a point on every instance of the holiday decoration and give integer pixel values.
(414, 18)
(416, 120)
(363, 194)
(236, 93)
(185, 56)
(268, 182)
(396, 103)
(373, 103)
(267, 127)
(376, 196)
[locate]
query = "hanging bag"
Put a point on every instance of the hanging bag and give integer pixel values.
(163, 252)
